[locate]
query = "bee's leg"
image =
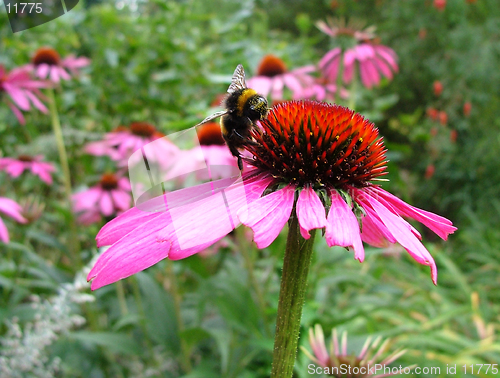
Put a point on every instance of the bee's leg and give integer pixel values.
(234, 150)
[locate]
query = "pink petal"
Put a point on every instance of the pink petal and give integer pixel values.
(310, 211)
(36, 102)
(4, 233)
(399, 229)
(388, 55)
(18, 96)
(12, 209)
(277, 85)
(440, 225)
(15, 168)
(43, 70)
(17, 113)
(342, 228)
(121, 199)
(267, 215)
(106, 204)
(54, 74)
(261, 84)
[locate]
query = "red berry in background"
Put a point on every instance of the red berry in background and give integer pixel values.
(471, 1)
(422, 33)
(434, 131)
(453, 136)
(438, 88)
(432, 113)
(429, 171)
(440, 4)
(443, 118)
(467, 108)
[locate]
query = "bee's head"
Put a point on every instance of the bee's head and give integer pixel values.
(257, 108)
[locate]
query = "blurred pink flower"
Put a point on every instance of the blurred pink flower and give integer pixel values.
(47, 64)
(13, 210)
(273, 76)
(322, 90)
(15, 167)
(22, 90)
(374, 60)
(121, 143)
(337, 360)
(301, 144)
(109, 197)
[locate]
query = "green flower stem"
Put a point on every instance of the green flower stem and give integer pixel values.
(63, 157)
(296, 265)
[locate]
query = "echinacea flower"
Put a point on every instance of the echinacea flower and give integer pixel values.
(111, 196)
(121, 143)
(316, 157)
(273, 76)
(337, 362)
(373, 61)
(22, 90)
(47, 64)
(13, 210)
(15, 167)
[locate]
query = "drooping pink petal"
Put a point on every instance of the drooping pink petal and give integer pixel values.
(12, 209)
(4, 233)
(404, 236)
(106, 204)
(36, 102)
(121, 199)
(17, 113)
(268, 215)
(310, 211)
(440, 225)
(342, 227)
(15, 168)
(18, 96)
(43, 70)
(54, 74)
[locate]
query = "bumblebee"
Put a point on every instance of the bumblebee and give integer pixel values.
(243, 107)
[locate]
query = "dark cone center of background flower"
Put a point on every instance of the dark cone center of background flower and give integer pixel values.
(307, 142)
(142, 129)
(109, 181)
(210, 134)
(271, 66)
(25, 158)
(46, 55)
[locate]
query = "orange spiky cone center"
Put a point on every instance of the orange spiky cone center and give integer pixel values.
(142, 129)
(210, 134)
(46, 55)
(109, 181)
(25, 158)
(271, 66)
(319, 144)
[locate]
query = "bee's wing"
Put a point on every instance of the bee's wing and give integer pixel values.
(238, 80)
(211, 117)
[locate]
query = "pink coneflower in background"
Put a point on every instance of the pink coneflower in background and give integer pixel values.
(273, 77)
(13, 210)
(22, 90)
(337, 360)
(47, 64)
(15, 167)
(111, 196)
(374, 60)
(121, 143)
(303, 148)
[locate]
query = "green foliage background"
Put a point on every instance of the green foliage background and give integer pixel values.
(165, 63)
